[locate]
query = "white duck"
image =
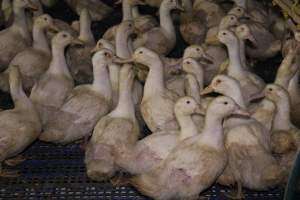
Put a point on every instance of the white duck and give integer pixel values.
(250, 85)
(19, 126)
(34, 60)
(83, 107)
(51, 89)
(150, 151)
(117, 130)
(16, 37)
(158, 102)
(195, 163)
(161, 39)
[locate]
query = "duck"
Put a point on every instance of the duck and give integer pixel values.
(16, 37)
(20, 126)
(79, 57)
(49, 3)
(83, 107)
(97, 9)
(264, 45)
(157, 102)
(161, 39)
(142, 23)
(251, 163)
(195, 163)
(285, 140)
(117, 130)
(250, 83)
(53, 87)
(147, 153)
(34, 60)
(193, 26)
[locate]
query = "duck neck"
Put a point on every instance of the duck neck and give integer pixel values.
(293, 88)
(281, 78)
(166, 22)
(101, 82)
(126, 10)
(122, 44)
(135, 12)
(235, 66)
(193, 88)
(237, 95)
(282, 117)
(40, 41)
(243, 53)
(58, 63)
(155, 80)
(125, 107)
(86, 34)
(212, 133)
(187, 126)
(20, 21)
(19, 97)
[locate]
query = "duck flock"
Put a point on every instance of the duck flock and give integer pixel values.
(68, 87)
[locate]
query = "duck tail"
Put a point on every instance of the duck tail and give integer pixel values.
(146, 184)
(99, 162)
(4, 84)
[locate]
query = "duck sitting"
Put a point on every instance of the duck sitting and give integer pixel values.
(250, 83)
(19, 126)
(79, 57)
(97, 9)
(285, 140)
(51, 89)
(158, 102)
(16, 37)
(150, 151)
(161, 39)
(83, 107)
(195, 163)
(117, 130)
(35, 60)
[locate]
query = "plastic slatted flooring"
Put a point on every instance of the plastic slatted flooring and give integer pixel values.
(58, 172)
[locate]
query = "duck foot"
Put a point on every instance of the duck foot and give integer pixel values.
(15, 161)
(236, 195)
(9, 173)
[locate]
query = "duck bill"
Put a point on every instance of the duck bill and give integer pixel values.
(94, 50)
(200, 110)
(212, 40)
(258, 96)
(119, 60)
(252, 40)
(77, 41)
(53, 29)
(241, 112)
(32, 6)
(118, 2)
(206, 59)
(209, 89)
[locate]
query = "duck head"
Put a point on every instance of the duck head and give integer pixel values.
(45, 21)
(198, 53)
(238, 12)
(243, 32)
(222, 84)
(191, 66)
(102, 43)
(103, 56)
(187, 106)
(63, 39)
(132, 2)
(25, 4)
(141, 55)
(172, 5)
(127, 28)
(276, 93)
(228, 38)
(225, 106)
(229, 21)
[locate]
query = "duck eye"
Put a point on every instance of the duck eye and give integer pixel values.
(106, 54)
(225, 103)
(188, 102)
(239, 10)
(224, 33)
(197, 49)
(64, 35)
(130, 25)
(141, 52)
(219, 81)
(188, 62)
(232, 18)
(270, 89)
